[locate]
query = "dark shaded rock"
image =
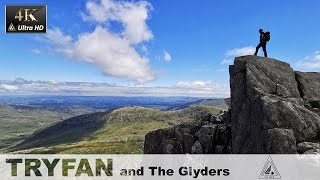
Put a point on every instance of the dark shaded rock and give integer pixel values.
(172, 146)
(228, 150)
(309, 85)
(188, 142)
(197, 148)
(224, 117)
(205, 135)
(281, 141)
(178, 139)
(219, 149)
(264, 95)
(315, 104)
(306, 146)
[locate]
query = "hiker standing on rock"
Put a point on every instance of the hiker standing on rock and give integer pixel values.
(264, 37)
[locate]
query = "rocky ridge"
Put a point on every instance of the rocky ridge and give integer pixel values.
(273, 110)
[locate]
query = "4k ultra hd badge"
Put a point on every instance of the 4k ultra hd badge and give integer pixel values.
(26, 19)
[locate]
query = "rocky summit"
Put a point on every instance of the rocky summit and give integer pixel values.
(273, 110)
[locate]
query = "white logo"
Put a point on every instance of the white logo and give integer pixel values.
(269, 170)
(11, 28)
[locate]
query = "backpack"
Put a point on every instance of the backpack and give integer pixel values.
(267, 36)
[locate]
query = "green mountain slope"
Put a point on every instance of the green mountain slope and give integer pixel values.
(115, 131)
(19, 122)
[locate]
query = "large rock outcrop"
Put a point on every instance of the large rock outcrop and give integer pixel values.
(210, 136)
(268, 114)
(273, 110)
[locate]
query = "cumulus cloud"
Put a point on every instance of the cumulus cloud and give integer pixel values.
(166, 56)
(204, 87)
(310, 62)
(51, 87)
(114, 53)
(249, 50)
(231, 54)
(8, 87)
(133, 16)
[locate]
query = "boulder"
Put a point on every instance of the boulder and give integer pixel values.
(205, 136)
(175, 140)
(197, 148)
(306, 146)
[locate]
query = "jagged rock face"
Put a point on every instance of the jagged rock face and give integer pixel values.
(267, 108)
(175, 140)
(309, 87)
(211, 136)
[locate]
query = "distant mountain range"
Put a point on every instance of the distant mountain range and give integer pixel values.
(22, 116)
(99, 102)
(222, 104)
(114, 131)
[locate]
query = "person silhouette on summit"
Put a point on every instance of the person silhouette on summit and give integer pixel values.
(264, 37)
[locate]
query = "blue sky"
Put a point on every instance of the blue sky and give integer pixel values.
(167, 44)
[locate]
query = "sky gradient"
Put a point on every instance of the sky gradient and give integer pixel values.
(160, 47)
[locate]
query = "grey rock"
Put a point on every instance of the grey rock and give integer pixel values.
(188, 142)
(197, 148)
(205, 136)
(306, 146)
(265, 95)
(312, 151)
(281, 90)
(281, 141)
(172, 146)
(219, 149)
(309, 85)
(178, 139)
(228, 150)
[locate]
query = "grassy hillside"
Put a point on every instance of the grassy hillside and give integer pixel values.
(19, 122)
(118, 131)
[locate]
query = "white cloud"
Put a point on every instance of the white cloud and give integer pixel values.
(132, 15)
(49, 87)
(35, 51)
(230, 54)
(211, 88)
(8, 87)
(249, 50)
(56, 36)
(166, 56)
(198, 84)
(310, 62)
(115, 56)
(226, 61)
(114, 53)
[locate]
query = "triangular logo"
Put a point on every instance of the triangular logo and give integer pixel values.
(269, 170)
(11, 28)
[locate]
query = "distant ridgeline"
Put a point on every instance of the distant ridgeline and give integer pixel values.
(274, 110)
